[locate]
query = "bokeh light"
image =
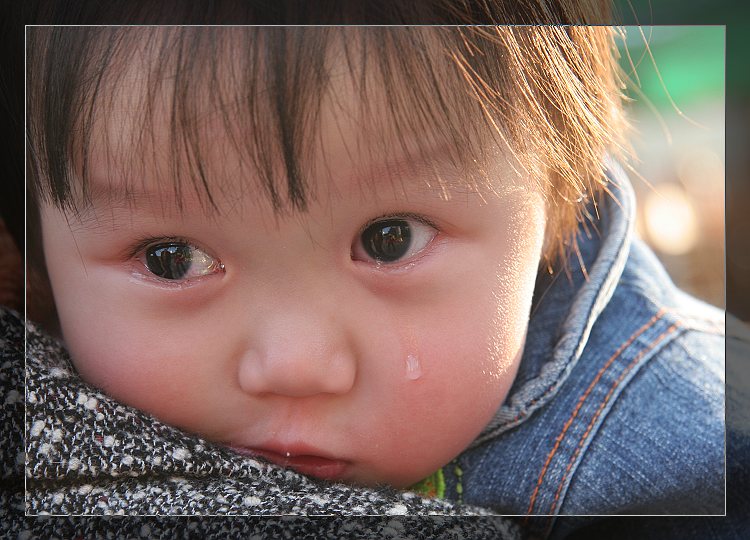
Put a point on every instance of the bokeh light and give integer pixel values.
(671, 224)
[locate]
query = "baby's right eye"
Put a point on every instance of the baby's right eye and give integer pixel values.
(178, 261)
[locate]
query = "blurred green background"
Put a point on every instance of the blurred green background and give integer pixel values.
(676, 80)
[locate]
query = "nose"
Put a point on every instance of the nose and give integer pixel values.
(298, 352)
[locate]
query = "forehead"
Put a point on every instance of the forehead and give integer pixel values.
(217, 125)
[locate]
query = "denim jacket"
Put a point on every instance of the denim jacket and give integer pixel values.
(618, 406)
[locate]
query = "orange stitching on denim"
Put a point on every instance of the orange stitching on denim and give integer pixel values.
(601, 408)
(713, 329)
(591, 386)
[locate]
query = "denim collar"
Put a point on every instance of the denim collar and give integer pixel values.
(565, 307)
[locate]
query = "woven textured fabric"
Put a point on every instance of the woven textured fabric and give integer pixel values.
(88, 454)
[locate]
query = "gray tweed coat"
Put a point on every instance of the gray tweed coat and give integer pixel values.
(88, 455)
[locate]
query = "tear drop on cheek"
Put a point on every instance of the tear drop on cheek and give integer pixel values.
(413, 368)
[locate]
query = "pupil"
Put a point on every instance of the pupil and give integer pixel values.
(169, 261)
(387, 241)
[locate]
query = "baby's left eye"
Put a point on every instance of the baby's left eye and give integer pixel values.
(178, 261)
(389, 240)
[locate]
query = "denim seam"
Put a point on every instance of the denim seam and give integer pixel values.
(714, 324)
(554, 506)
(713, 328)
(717, 330)
(581, 401)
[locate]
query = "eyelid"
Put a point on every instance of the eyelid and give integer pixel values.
(400, 215)
(147, 241)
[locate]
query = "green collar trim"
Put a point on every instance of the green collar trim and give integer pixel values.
(433, 486)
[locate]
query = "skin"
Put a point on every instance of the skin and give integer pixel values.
(301, 343)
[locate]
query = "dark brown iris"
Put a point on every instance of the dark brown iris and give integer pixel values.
(388, 240)
(169, 261)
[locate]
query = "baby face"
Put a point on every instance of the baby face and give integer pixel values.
(368, 339)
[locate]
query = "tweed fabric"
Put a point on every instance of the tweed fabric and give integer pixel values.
(87, 454)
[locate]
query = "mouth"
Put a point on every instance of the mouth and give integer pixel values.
(303, 459)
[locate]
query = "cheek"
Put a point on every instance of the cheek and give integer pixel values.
(467, 363)
(473, 360)
(148, 364)
(475, 337)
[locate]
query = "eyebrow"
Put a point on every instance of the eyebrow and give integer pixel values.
(118, 199)
(102, 203)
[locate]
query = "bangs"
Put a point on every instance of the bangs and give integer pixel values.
(133, 94)
(132, 97)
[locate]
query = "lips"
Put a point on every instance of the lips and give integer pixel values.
(303, 459)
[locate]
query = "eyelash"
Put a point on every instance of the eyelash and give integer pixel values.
(145, 242)
(406, 215)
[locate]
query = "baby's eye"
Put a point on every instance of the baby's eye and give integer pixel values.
(178, 261)
(389, 240)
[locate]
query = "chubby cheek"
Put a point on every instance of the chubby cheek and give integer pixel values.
(469, 344)
(433, 418)
(148, 364)
(439, 406)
